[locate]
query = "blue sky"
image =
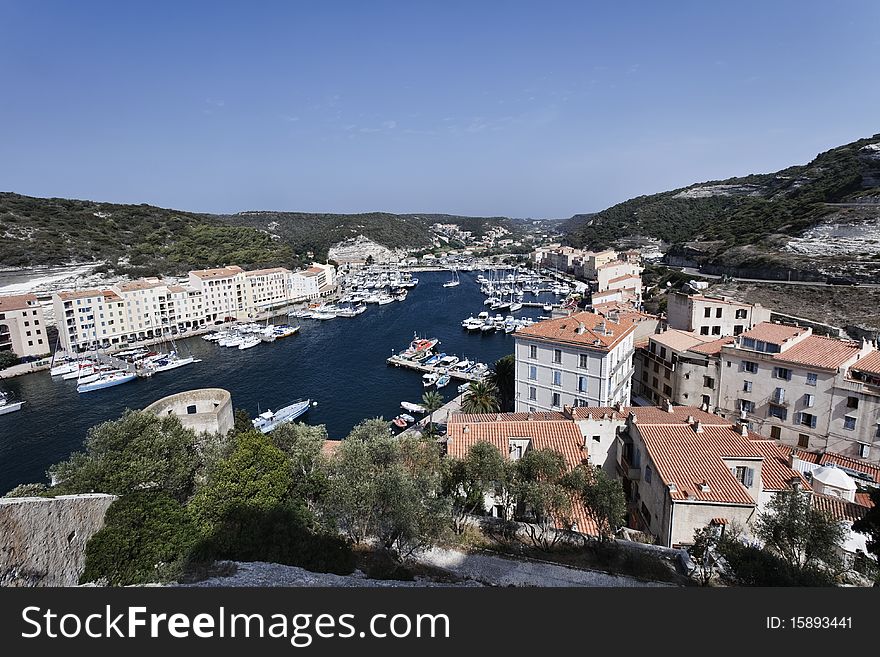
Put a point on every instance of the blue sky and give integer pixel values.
(539, 109)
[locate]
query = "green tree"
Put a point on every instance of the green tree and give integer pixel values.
(304, 444)
(242, 422)
(388, 489)
(870, 524)
(467, 481)
(137, 452)
(147, 537)
(432, 401)
(706, 541)
(370, 430)
(481, 397)
(601, 497)
(28, 490)
(503, 377)
(8, 359)
(544, 497)
(801, 535)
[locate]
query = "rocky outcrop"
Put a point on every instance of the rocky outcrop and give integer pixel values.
(43, 540)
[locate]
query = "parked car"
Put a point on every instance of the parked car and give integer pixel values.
(841, 280)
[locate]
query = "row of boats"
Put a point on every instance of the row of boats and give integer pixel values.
(247, 336)
(484, 323)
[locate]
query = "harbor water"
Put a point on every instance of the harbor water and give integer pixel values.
(340, 363)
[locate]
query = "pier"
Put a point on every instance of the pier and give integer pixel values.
(400, 361)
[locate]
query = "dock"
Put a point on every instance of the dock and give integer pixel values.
(400, 361)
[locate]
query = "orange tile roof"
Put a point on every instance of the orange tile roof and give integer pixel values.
(565, 330)
(827, 458)
(18, 302)
(839, 508)
(679, 340)
(625, 277)
(819, 351)
(687, 458)
(775, 473)
(544, 416)
(864, 499)
(869, 364)
(220, 272)
(774, 333)
(79, 294)
(712, 348)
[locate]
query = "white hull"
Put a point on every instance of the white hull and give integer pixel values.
(11, 407)
(173, 365)
(107, 382)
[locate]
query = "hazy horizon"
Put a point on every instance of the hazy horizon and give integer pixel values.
(497, 109)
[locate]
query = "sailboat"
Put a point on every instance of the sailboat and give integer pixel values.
(454, 282)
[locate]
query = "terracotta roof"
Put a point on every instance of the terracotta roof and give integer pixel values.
(775, 473)
(79, 294)
(565, 330)
(827, 458)
(625, 277)
(263, 272)
(869, 364)
(543, 416)
(864, 499)
(688, 459)
(679, 340)
(819, 351)
(18, 302)
(712, 348)
(141, 284)
(839, 508)
(220, 272)
(774, 333)
(110, 295)
(606, 293)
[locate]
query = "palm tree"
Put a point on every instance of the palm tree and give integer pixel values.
(432, 400)
(481, 397)
(504, 381)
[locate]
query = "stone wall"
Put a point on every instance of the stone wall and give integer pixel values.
(43, 540)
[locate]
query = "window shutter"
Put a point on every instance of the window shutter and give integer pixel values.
(750, 475)
(797, 417)
(813, 422)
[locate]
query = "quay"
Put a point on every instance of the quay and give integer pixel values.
(400, 361)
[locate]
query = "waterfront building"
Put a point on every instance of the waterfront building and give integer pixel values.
(584, 359)
(23, 326)
(711, 315)
(622, 275)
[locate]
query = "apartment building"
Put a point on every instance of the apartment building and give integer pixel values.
(796, 387)
(683, 469)
(625, 276)
(23, 326)
(264, 290)
(713, 315)
(584, 359)
(222, 295)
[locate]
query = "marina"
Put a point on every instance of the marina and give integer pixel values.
(340, 364)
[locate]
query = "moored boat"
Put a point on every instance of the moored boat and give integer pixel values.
(7, 405)
(107, 381)
(413, 408)
(269, 420)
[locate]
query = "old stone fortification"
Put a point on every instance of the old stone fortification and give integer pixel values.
(43, 540)
(205, 410)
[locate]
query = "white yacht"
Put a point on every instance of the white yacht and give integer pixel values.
(268, 420)
(7, 405)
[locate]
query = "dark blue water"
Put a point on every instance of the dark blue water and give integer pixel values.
(340, 363)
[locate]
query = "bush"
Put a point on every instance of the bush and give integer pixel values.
(147, 537)
(752, 566)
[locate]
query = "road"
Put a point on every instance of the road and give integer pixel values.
(696, 272)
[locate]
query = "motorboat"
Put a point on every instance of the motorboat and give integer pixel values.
(269, 420)
(7, 405)
(107, 380)
(433, 360)
(413, 408)
(463, 388)
(385, 299)
(487, 326)
(172, 361)
(318, 314)
(460, 366)
(472, 324)
(250, 341)
(430, 379)
(443, 381)
(399, 422)
(448, 361)
(409, 419)
(479, 369)
(419, 345)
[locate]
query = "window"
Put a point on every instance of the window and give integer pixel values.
(656, 368)
(663, 353)
(645, 376)
(555, 401)
(808, 420)
(667, 391)
(707, 312)
(718, 312)
(741, 313)
(737, 329)
(533, 393)
(852, 402)
(750, 366)
(849, 422)
(716, 330)
(809, 400)
(744, 475)
(648, 474)
(656, 383)
(782, 373)
(557, 378)
(864, 450)
(746, 405)
(708, 382)
(582, 384)
(776, 432)
(557, 355)
(705, 400)
(747, 386)
(191, 410)
(533, 373)
(778, 412)
(778, 396)
(533, 352)
(704, 330)
(583, 361)
(803, 441)
(812, 378)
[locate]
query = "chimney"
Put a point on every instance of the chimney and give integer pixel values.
(668, 406)
(742, 428)
(690, 419)
(704, 486)
(698, 427)
(568, 412)
(580, 328)
(466, 429)
(618, 407)
(530, 416)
